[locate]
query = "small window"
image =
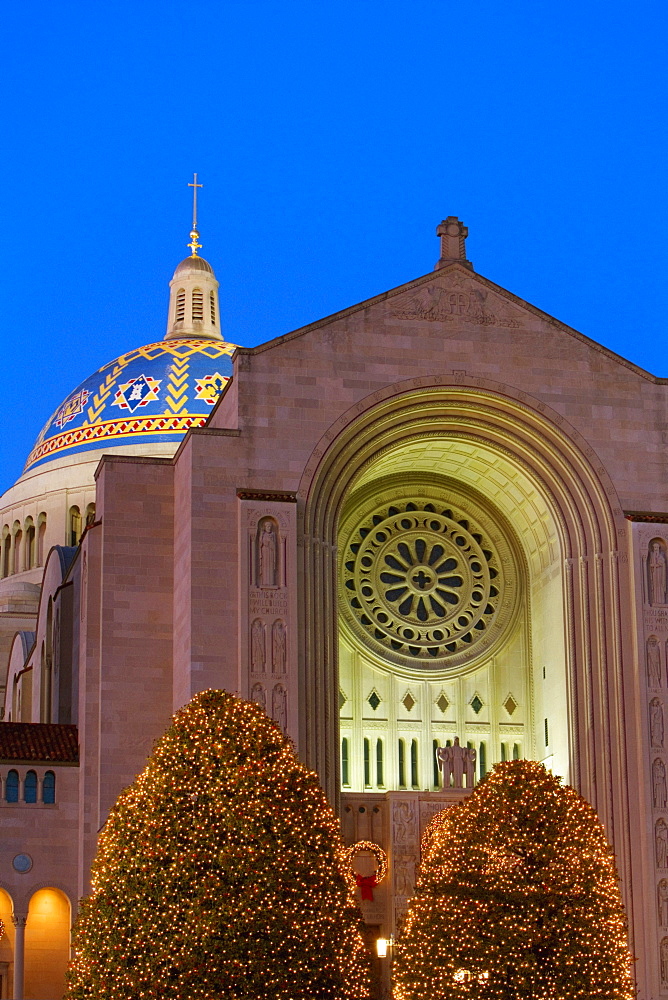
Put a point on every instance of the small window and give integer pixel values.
(414, 763)
(30, 787)
(30, 544)
(434, 748)
(18, 544)
(503, 752)
(74, 528)
(482, 760)
(12, 787)
(367, 764)
(41, 535)
(49, 789)
(198, 305)
(402, 764)
(212, 303)
(516, 751)
(90, 515)
(379, 764)
(180, 305)
(547, 734)
(345, 764)
(6, 549)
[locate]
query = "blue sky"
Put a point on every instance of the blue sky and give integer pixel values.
(331, 139)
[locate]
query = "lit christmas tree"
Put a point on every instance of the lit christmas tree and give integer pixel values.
(517, 897)
(219, 873)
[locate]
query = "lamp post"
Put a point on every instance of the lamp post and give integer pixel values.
(384, 948)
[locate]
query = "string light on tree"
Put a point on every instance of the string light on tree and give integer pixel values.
(220, 872)
(517, 897)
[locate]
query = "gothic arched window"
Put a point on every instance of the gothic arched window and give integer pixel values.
(12, 787)
(49, 789)
(30, 787)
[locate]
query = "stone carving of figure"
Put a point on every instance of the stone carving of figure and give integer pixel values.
(653, 662)
(469, 765)
(455, 761)
(657, 574)
(661, 843)
(656, 723)
(259, 696)
(664, 962)
(278, 646)
(279, 706)
(659, 783)
(268, 557)
(403, 817)
(403, 877)
(258, 652)
(662, 902)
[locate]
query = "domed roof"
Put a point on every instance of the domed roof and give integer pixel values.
(155, 393)
(193, 264)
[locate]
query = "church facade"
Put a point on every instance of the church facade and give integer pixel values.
(426, 534)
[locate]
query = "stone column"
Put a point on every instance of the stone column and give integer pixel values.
(19, 953)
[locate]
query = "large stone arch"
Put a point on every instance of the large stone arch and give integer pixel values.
(588, 522)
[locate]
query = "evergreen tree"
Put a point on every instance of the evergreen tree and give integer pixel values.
(517, 897)
(219, 873)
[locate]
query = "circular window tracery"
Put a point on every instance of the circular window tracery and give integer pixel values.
(422, 581)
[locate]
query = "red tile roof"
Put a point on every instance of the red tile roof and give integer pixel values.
(39, 742)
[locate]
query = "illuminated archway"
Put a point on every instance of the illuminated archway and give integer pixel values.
(499, 444)
(47, 944)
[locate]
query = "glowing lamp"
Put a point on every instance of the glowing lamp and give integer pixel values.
(381, 947)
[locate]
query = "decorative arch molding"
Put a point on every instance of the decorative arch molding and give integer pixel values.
(595, 578)
(22, 900)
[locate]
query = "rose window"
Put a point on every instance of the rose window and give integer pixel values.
(421, 581)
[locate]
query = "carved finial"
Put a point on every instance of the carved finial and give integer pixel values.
(194, 244)
(453, 235)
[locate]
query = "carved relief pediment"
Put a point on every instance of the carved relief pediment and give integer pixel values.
(457, 299)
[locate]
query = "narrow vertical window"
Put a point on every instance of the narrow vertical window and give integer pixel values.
(402, 764)
(516, 751)
(6, 549)
(434, 748)
(547, 735)
(198, 305)
(30, 787)
(414, 763)
(41, 535)
(12, 787)
(345, 765)
(379, 763)
(49, 789)
(503, 752)
(180, 305)
(212, 303)
(367, 764)
(30, 544)
(18, 545)
(74, 526)
(482, 758)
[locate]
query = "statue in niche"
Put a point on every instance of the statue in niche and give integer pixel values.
(258, 652)
(661, 843)
(653, 662)
(662, 902)
(278, 646)
(659, 783)
(268, 555)
(656, 724)
(279, 706)
(455, 762)
(404, 877)
(259, 696)
(664, 962)
(657, 574)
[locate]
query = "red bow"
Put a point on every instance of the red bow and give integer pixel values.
(365, 884)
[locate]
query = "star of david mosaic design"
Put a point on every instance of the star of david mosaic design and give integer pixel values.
(210, 387)
(137, 392)
(71, 408)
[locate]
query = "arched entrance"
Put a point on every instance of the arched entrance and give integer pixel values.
(47, 944)
(541, 503)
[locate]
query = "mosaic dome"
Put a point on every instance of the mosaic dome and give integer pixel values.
(155, 393)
